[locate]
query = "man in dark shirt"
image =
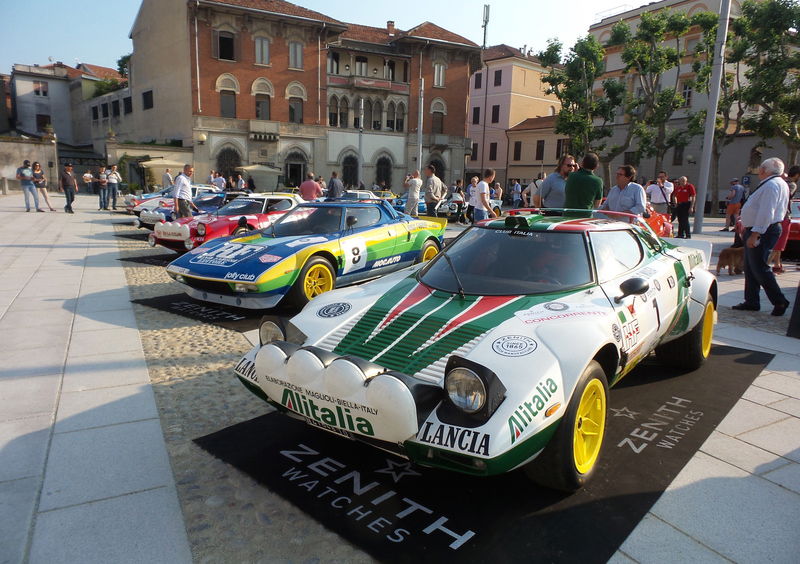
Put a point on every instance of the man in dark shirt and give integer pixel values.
(335, 187)
(584, 189)
(68, 184)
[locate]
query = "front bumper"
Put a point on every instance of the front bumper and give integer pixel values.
(246, 301)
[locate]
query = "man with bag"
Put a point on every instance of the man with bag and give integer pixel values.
(660, 193)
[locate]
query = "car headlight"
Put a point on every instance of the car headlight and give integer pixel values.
(270, 331)
(275, 329)
(244, 288)
(465, 389)
(201, 229)
(189, 244)
(151, 240)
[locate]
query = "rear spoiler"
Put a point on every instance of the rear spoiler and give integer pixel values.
(704, 246)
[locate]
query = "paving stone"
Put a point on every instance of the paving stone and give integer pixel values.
(787, 476)
(27, 396)
(104, 406)
(23, 444)
(118, 340)
(104, 371)
(17, 503)
(655, 541)
(785, 385)
(762, 396)
(746, 416)
(741, 454)
(782, 437)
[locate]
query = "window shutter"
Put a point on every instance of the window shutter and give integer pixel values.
(215, 44)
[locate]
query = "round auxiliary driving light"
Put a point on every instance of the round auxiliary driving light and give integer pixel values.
(201, 229)
(465, 389)
(189, 244)
(269, 331)
(151, 240)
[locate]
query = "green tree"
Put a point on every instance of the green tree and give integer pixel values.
(107, 85)
(769, 32)
(123, 63)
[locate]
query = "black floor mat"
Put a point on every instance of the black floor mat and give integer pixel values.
(658, 420)
(233, 318)
(153, 260)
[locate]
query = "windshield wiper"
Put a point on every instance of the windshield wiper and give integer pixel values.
(455, 275)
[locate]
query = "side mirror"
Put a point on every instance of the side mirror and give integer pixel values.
(632, 287)
(351, 221)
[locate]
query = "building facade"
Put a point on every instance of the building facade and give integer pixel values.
(506, 91)
(267, 82)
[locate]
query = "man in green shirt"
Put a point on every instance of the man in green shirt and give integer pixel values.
(584, 189)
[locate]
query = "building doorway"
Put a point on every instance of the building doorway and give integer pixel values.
(383, 172)
(295, 169)
(228, 160)
(350, 171)
(439, 168)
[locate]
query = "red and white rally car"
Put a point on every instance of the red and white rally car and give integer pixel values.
(245, 213)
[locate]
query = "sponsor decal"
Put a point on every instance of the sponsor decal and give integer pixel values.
(657, 285)
(334, 309)
(514, 345)
(197, 251)
(239, 276)
(306, 241)
(457, 438)
(664, 428)
(632, 308)
(354, 251)
(386, 261)
(340, 417)
(556, 306)
(671, 281)
(246, 368)
(529, 409)
(630, 334)
(179, 269)
(617, 332)
(227, 255)
(268, 259)
(646, 272)
(205, 313)
(540, 314)
(358, 497)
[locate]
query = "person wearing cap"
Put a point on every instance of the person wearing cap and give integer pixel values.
(68, 184)
(25, 177)
(735, 200)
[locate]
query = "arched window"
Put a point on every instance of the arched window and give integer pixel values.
(367, 114)
(377, 115)
(262, 91)
(227, 104)
(295, 168)
(350, 171)
(390, 111)
(226, 81)
(228, 160)
(344, 114)
(438, 111)
(296, 90)
(357, 113)
(333, 111)
(383, 172)
(399, 120)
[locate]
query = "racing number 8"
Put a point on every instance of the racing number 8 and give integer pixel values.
(356, 255)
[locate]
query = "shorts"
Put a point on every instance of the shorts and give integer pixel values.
(733, 209)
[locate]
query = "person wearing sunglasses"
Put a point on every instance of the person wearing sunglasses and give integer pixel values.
(552, 191)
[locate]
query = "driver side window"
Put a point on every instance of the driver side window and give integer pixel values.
(615, 252)
(367, 217)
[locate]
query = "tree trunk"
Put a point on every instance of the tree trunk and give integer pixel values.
(606, 167)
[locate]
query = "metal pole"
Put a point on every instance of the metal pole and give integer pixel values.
(711, 116)
(419, 123)
(360, 142)
(485, 85)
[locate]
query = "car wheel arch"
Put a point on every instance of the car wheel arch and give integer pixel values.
(608, 358)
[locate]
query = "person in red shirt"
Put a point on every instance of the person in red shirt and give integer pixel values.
(310, 190)
(683, 195)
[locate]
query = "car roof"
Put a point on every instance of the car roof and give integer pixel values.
(541, 222)
(344, 204)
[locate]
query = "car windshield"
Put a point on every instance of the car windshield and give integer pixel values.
(794, 205)
(206, 199)
(242, 206)
(498, 262)
(307, 220)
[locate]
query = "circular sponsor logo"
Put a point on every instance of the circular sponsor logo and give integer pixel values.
(617, 332)
(657, 284)
(556, 306)
(334, 310)
(514, 345)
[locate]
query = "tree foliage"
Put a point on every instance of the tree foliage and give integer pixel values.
(107, 85)
(123, 63)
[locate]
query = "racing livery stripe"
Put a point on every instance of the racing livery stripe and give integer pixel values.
(417, 295)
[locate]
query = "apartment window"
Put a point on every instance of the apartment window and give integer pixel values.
(361, 66)
(262, 51)
(562, 147)
(104, 108)
(437, 123)
(295, 55)
(677, 156)
(262, 106)
(540, 150)
(115, 108)
(478, 80)
(223, 45)
(498, 77)
(474, 155)
(127, 105)
(333, 112)
(492, 151)
(295, 110)
(686, 92)
(95, 113)
(147, 100)
(42, 121)
(39, 88)
(476, 115)
(227, 103)
(517, 150)
(495, 114)
(438, 75)
(333, 62)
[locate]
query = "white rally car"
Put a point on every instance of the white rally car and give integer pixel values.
(497, 354)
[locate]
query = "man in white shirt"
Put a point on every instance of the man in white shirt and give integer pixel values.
(660, 192)
(413, 183)
(218, 181)
(480, 197)
(182, 194)
(240, 183)
(761, 217)
(166, 179)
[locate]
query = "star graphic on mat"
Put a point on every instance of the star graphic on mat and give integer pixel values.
(397, 470)
(625, 412)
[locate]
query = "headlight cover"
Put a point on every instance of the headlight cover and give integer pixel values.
(270, 331)
(274, 328)
(465, 389)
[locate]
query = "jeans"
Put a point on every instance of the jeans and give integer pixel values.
(69, 194)
(30, 190)
(431, 208)
(480, 215)
(757, 272)
(112, 194)
(682, 212)
(103, 193)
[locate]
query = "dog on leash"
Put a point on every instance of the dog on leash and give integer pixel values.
(733, 258)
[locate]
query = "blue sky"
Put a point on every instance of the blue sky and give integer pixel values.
(96, 31)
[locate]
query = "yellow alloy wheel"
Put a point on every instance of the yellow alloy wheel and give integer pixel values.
(590, 425)
(429, 252)
(318, 280)
(708, 329)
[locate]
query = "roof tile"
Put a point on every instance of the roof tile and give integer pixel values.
(278, 7)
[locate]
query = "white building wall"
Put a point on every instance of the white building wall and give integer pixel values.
(56, 104)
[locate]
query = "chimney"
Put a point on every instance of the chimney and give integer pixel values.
(390, 28)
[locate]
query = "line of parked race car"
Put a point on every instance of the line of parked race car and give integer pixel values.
(491, 354)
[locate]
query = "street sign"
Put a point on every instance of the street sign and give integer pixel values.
(745, 181)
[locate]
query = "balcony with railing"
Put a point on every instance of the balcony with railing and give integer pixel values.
(366, 83)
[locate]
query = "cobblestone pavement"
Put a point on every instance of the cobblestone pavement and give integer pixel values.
(229, 517)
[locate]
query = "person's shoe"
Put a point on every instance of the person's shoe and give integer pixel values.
(745, 307)
(28, 210)
(40, 211)
(780, 309)
(52, 209)
(725, 229)
(778, 269)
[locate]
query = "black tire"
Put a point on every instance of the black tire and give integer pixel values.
(297, 295)
(691, 350)
(427, 249)
(556, 466)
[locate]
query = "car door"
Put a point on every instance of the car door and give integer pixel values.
(620, 256)
(368, 245)
(275, 208)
